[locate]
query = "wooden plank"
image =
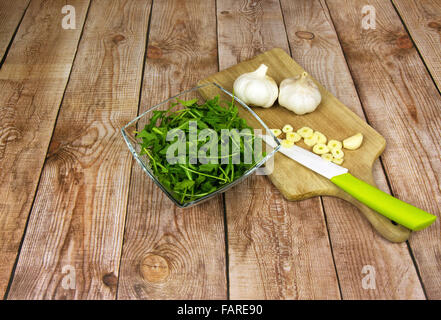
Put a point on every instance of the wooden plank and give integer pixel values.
(11, 13)
(77, 221)
(32, 82)
(172, 253)
(422, 19)
(314, 44)
(401, 101)
(277, 249)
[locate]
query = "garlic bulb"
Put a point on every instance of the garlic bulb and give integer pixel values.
(300, 94)
(256, 88)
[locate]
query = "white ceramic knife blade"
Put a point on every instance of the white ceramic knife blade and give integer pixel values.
(308, 159)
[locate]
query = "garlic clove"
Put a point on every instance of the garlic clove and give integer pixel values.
(354, 142)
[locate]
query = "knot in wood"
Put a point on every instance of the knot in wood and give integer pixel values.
(154, 268)
(110, 280)
(434, 25)
(8, 135)
(404, 42)
(118, 38)
(305, 35)
(154, 52)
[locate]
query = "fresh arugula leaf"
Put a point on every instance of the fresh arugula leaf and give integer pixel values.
(186, 184)
(208, 167)
(187, 103)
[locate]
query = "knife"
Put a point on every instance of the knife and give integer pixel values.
(399, 211)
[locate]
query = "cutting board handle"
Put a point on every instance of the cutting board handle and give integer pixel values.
(384, 226)
(389, 230)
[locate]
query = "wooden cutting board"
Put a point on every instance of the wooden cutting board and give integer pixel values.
(333, 119)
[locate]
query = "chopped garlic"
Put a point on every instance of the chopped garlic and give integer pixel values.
(334, 144)
(293, 136)
(321, 138)
(311, 141)
(320, 148)
(305, 132)
(287, 128)
(338, 161)
(337, 153)
(276, 132)
(286, 143)
(327, 156)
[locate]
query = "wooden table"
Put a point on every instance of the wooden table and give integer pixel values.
(80, 220)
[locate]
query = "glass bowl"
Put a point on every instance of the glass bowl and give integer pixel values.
(202, 93)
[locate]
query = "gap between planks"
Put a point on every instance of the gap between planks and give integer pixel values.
(426, 62)
(11, 40)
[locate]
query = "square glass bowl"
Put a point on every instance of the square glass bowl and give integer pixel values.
(202, 93)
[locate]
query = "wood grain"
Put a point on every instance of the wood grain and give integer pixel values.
(78, 216)
(172, 253)
(277, 249)
(423, 21)
(314, 44)
(11, 13)
(32, 82)
(401, 101)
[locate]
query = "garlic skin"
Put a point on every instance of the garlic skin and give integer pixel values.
(256, 88)
(300, 94)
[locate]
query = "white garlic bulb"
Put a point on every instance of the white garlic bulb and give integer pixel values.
(256, 88)
(300, 94)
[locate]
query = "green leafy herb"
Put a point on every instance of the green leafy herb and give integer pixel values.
(186, 180)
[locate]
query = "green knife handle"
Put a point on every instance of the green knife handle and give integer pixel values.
(399, 211)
